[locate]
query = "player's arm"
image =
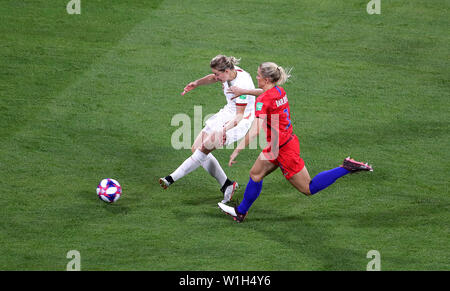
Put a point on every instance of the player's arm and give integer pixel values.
(237, 91)
(252, 133)
(240, 109)
(208, 79)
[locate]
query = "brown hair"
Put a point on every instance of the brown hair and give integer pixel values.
(221, 63)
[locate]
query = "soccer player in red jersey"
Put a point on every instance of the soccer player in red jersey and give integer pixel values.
(228, 125)
(272, 113)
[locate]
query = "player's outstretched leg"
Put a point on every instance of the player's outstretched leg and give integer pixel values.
(211, 165)
(189, 165)
(202, 156)
(324, 179)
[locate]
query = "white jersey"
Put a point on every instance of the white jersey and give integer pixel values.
(243, 80)
(216, 122)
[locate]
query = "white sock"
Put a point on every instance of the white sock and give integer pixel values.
(212, 166)
(189, 165)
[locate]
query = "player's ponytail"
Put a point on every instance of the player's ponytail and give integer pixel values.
(221, 63)
(276, 74)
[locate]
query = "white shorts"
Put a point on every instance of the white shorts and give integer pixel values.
(217, 122)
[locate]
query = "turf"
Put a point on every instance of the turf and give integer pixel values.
(84, 97)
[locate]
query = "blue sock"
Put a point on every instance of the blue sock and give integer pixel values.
(251, 193)
(326, 178)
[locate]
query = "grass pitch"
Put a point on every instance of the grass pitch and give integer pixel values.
(89, 96)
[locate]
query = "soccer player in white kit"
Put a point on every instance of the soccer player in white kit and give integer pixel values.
(228, 125)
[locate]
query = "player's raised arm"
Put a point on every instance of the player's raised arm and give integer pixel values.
(208, 79)
(240, 91)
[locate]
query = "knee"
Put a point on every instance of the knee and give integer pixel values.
(303, 188)
(197, 147)
(208, 143)
(256, 177)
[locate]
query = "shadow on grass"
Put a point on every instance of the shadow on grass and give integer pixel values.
(313, 238)
(118, 207)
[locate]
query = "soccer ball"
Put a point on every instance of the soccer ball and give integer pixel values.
(109, 190)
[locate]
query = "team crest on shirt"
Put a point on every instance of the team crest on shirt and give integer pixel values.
(259, 106)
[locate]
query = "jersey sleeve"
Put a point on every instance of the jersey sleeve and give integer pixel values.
(245, 82)
(242, 100)
(262, 107)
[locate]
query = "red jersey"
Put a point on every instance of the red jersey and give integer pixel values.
(274, 105)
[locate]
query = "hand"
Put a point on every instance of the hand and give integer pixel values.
(232, 158)
(189, 87)
(236, 91)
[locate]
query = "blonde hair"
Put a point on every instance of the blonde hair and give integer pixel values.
(276, 74)
(221, 63)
